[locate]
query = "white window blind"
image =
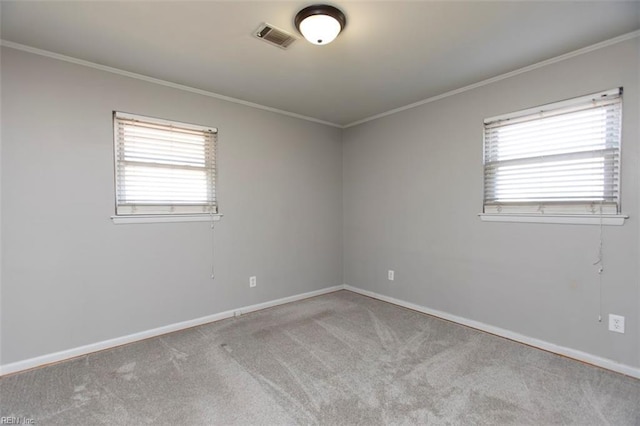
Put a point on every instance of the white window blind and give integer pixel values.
(163, 167)
(562, 158)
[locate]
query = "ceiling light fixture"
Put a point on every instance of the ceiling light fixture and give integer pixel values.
(320, 24)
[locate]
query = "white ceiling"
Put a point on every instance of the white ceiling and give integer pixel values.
(392, 53)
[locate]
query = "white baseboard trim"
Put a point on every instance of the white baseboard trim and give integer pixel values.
(39, 361)
(541, 344)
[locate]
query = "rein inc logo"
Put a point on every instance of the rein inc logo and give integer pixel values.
(14, 420)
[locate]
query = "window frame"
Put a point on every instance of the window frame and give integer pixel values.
(166, 212)
(561, 211)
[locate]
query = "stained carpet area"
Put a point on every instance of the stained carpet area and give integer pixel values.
(340, 358)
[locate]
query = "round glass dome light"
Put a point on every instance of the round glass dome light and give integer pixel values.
(320, 24)
(320, 29)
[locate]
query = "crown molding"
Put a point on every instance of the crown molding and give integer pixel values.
(165, 83)
(463, 89)
(500, 77)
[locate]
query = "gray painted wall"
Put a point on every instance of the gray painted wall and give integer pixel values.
(413, 188)
(70, 277)
(406, 188)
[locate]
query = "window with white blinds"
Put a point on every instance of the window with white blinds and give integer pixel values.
(562, 158)
(163, 167)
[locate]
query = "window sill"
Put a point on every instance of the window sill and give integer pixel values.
(164, 218)
(571, 219)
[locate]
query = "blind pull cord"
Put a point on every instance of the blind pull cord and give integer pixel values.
(213, 248)
(600, 262)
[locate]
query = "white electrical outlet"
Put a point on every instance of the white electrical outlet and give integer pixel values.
(253, 281)
(391, 275)
(616, 323)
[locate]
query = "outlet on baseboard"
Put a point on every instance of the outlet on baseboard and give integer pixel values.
(391, 275)
(616, 323)
(253, 281)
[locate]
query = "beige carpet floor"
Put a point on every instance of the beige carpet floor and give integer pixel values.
(336, 359)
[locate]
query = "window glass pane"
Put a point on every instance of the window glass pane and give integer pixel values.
(555, 156)
(163, 164)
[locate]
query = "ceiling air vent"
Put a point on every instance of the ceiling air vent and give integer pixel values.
(274, 36)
